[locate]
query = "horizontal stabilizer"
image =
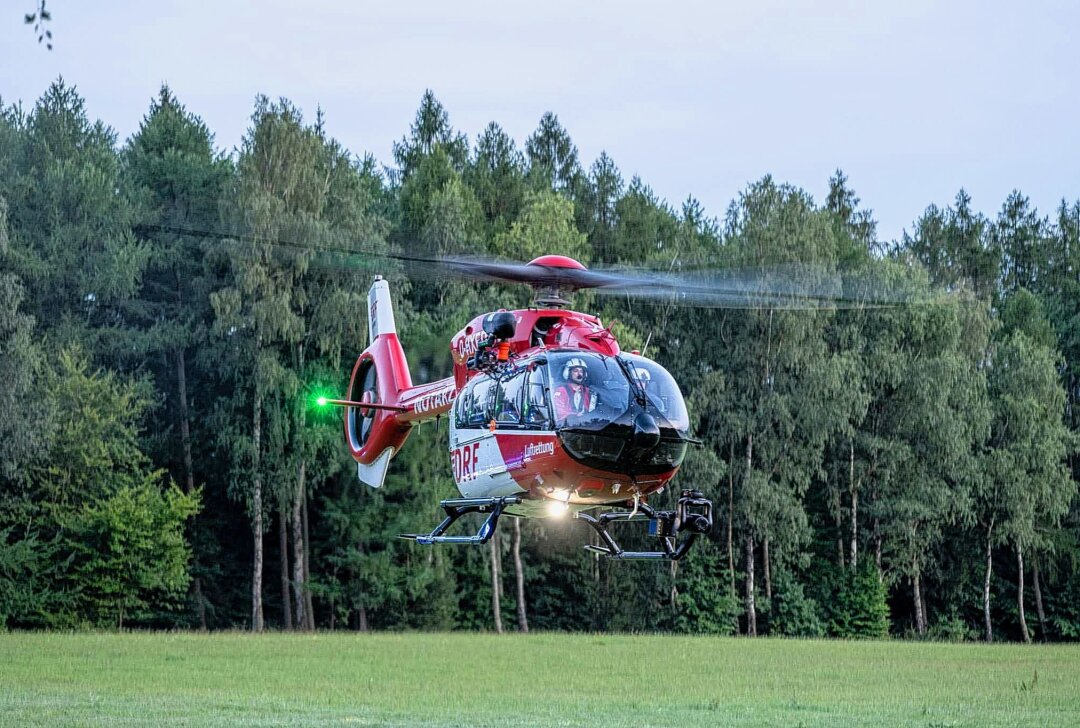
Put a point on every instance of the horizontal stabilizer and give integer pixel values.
(375, 473)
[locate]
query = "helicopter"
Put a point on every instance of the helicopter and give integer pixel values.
(548, 416)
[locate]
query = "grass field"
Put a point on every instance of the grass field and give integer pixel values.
(515, 680)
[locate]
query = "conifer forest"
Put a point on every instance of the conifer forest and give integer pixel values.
(168, 309)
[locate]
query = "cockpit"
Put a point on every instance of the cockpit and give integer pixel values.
(591, 390)
(623, 413)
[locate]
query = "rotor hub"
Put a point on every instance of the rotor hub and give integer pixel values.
(557, 261)
(549, 294)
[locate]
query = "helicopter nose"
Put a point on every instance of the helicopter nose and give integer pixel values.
(646, 431)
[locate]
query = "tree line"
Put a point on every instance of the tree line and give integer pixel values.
(168, 311)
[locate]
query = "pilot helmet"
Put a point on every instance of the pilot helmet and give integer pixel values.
(574, 362)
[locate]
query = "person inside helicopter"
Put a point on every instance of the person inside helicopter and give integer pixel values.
(574, 396)
(660, 390)
(644, 378)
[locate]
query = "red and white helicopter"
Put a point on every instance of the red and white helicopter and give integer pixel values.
(547, 416)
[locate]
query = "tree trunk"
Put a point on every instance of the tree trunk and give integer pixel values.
(594, 539)
(877, 550)
(185, 427)
(766, 566)
(751, 610)
(920, 615)
(986, 582)
(854, 508)
(1020, 592)
(838, 522)
(926, 612)
(299, 547)
(200, 600)
(496, 609)
(673, 595)
(309, 610)
(256, 517)
(1038, 599)
(519, 576)
(189, 475)
(731, 518)
(363, 620)
(283, 549)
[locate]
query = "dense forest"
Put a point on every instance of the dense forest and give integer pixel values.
(167, 311)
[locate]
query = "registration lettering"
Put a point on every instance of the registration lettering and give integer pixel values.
(467, 345)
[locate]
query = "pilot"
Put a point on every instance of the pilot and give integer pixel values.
(575, 397)
(645, 377)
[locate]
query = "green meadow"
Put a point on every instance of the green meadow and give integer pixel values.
(417, 679)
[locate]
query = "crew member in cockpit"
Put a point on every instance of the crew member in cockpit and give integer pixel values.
(645, 378)
(575, 396)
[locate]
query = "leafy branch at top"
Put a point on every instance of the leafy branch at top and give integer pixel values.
(38, 19)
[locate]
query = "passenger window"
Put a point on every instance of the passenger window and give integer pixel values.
(536, 414)
(507, 409)
(471, 409)
(462, 407)
(479, 408)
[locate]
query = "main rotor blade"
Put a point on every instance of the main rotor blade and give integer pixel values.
(792, 285)
(801, 287)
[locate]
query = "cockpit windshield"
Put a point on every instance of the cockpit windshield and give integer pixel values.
(664, 400)
(590, 390)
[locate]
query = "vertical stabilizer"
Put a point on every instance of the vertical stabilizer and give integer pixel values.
(380, 311)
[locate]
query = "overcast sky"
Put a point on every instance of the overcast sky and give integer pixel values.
(912, 99)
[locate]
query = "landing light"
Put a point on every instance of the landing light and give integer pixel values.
(559, 503)
(557, 509)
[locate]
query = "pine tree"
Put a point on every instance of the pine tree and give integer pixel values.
(171, 166)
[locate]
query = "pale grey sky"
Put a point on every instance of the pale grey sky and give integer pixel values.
(913, 99)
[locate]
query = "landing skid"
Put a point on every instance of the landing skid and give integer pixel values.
(456, 508)
(692, 516)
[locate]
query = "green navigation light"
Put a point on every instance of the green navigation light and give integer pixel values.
(321, 401)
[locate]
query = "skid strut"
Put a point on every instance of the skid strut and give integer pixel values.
(456, 508)
(692, 516)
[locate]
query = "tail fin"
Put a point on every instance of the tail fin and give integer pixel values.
(380, 377)
(380, 310)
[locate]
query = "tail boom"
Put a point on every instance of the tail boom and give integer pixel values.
(427, 401)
